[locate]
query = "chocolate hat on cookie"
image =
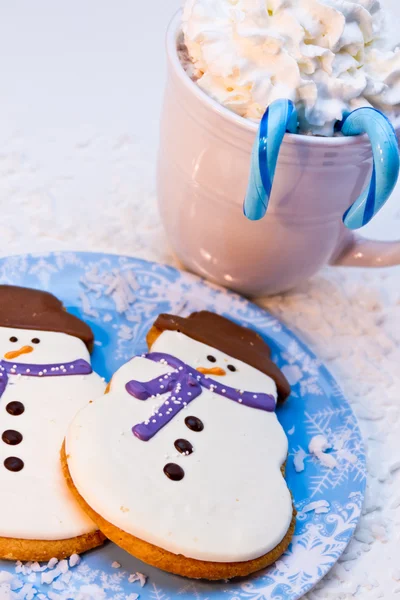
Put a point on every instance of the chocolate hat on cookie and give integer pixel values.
(26, 308)
(239, 342)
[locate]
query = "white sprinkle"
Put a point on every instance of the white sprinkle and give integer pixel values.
(146, 422)
(74, 560)
(189, 393)
(153, 421)
(180, 368)
(318, 444)
(63, 566)
(14, 366)
(167, 402)
(165, 376)
(44, 370)
(40, 373)
(223, 390)
(62, 367)
(161, 387)
(115, 565)
(240, 401)
(49, 576)
(28, 370)
(320, 506)
(160, 414)
(52, 563)
(255, 396)
(57, 585)
(12, 370)
(298, 460)
(71, 366)
(137, 577)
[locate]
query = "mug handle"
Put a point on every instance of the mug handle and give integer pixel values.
(385, 167)
(280, 117)
(361, 252)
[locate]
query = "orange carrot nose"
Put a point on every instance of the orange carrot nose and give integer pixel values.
(16, 353)
(211, 371)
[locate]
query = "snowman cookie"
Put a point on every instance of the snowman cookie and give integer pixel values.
(45, 378)
(181, 463)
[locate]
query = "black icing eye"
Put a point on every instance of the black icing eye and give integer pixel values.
(211, 358)
(231, 368)
(13, 339)
(35, 341)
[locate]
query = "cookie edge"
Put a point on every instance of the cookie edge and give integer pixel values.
(176, 563)
(44, 550)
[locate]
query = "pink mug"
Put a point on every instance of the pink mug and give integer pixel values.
(203, 170)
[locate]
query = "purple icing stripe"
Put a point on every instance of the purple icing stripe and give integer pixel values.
(76, 367)
(184, 385)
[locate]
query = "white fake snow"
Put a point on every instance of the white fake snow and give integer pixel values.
(56, 575)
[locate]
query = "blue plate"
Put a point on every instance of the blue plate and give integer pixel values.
(120, 298)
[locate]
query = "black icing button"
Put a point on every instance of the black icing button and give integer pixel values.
(174, 471)
(12, 463)
(12, 437)
(15, 408)
(183, 446)
(194, 424)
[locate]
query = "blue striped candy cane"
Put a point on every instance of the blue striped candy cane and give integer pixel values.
(385, 168)
(280, 117)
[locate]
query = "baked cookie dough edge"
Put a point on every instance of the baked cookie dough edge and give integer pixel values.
(176, 563)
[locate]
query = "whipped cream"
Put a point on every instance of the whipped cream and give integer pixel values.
(328, 56)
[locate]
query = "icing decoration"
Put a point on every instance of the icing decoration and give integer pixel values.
(38, 399)
(194, 424)
(76, 367)
(174, 472)
(234, 340)
(16, 353)
(212, 371)
(12, 463)
(15, 408)
(212, 513)
(183, 446)
(12, 437)
(27, 309)
(183, 386)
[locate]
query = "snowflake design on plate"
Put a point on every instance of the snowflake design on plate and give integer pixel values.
(120, 297)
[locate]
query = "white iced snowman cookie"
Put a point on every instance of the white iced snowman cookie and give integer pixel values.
(45, 378)
(181, 463)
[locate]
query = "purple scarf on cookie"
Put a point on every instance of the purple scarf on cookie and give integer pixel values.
(76, 367)
(183, 385)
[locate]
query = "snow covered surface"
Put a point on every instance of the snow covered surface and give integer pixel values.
(64, 580)
(77, 162)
